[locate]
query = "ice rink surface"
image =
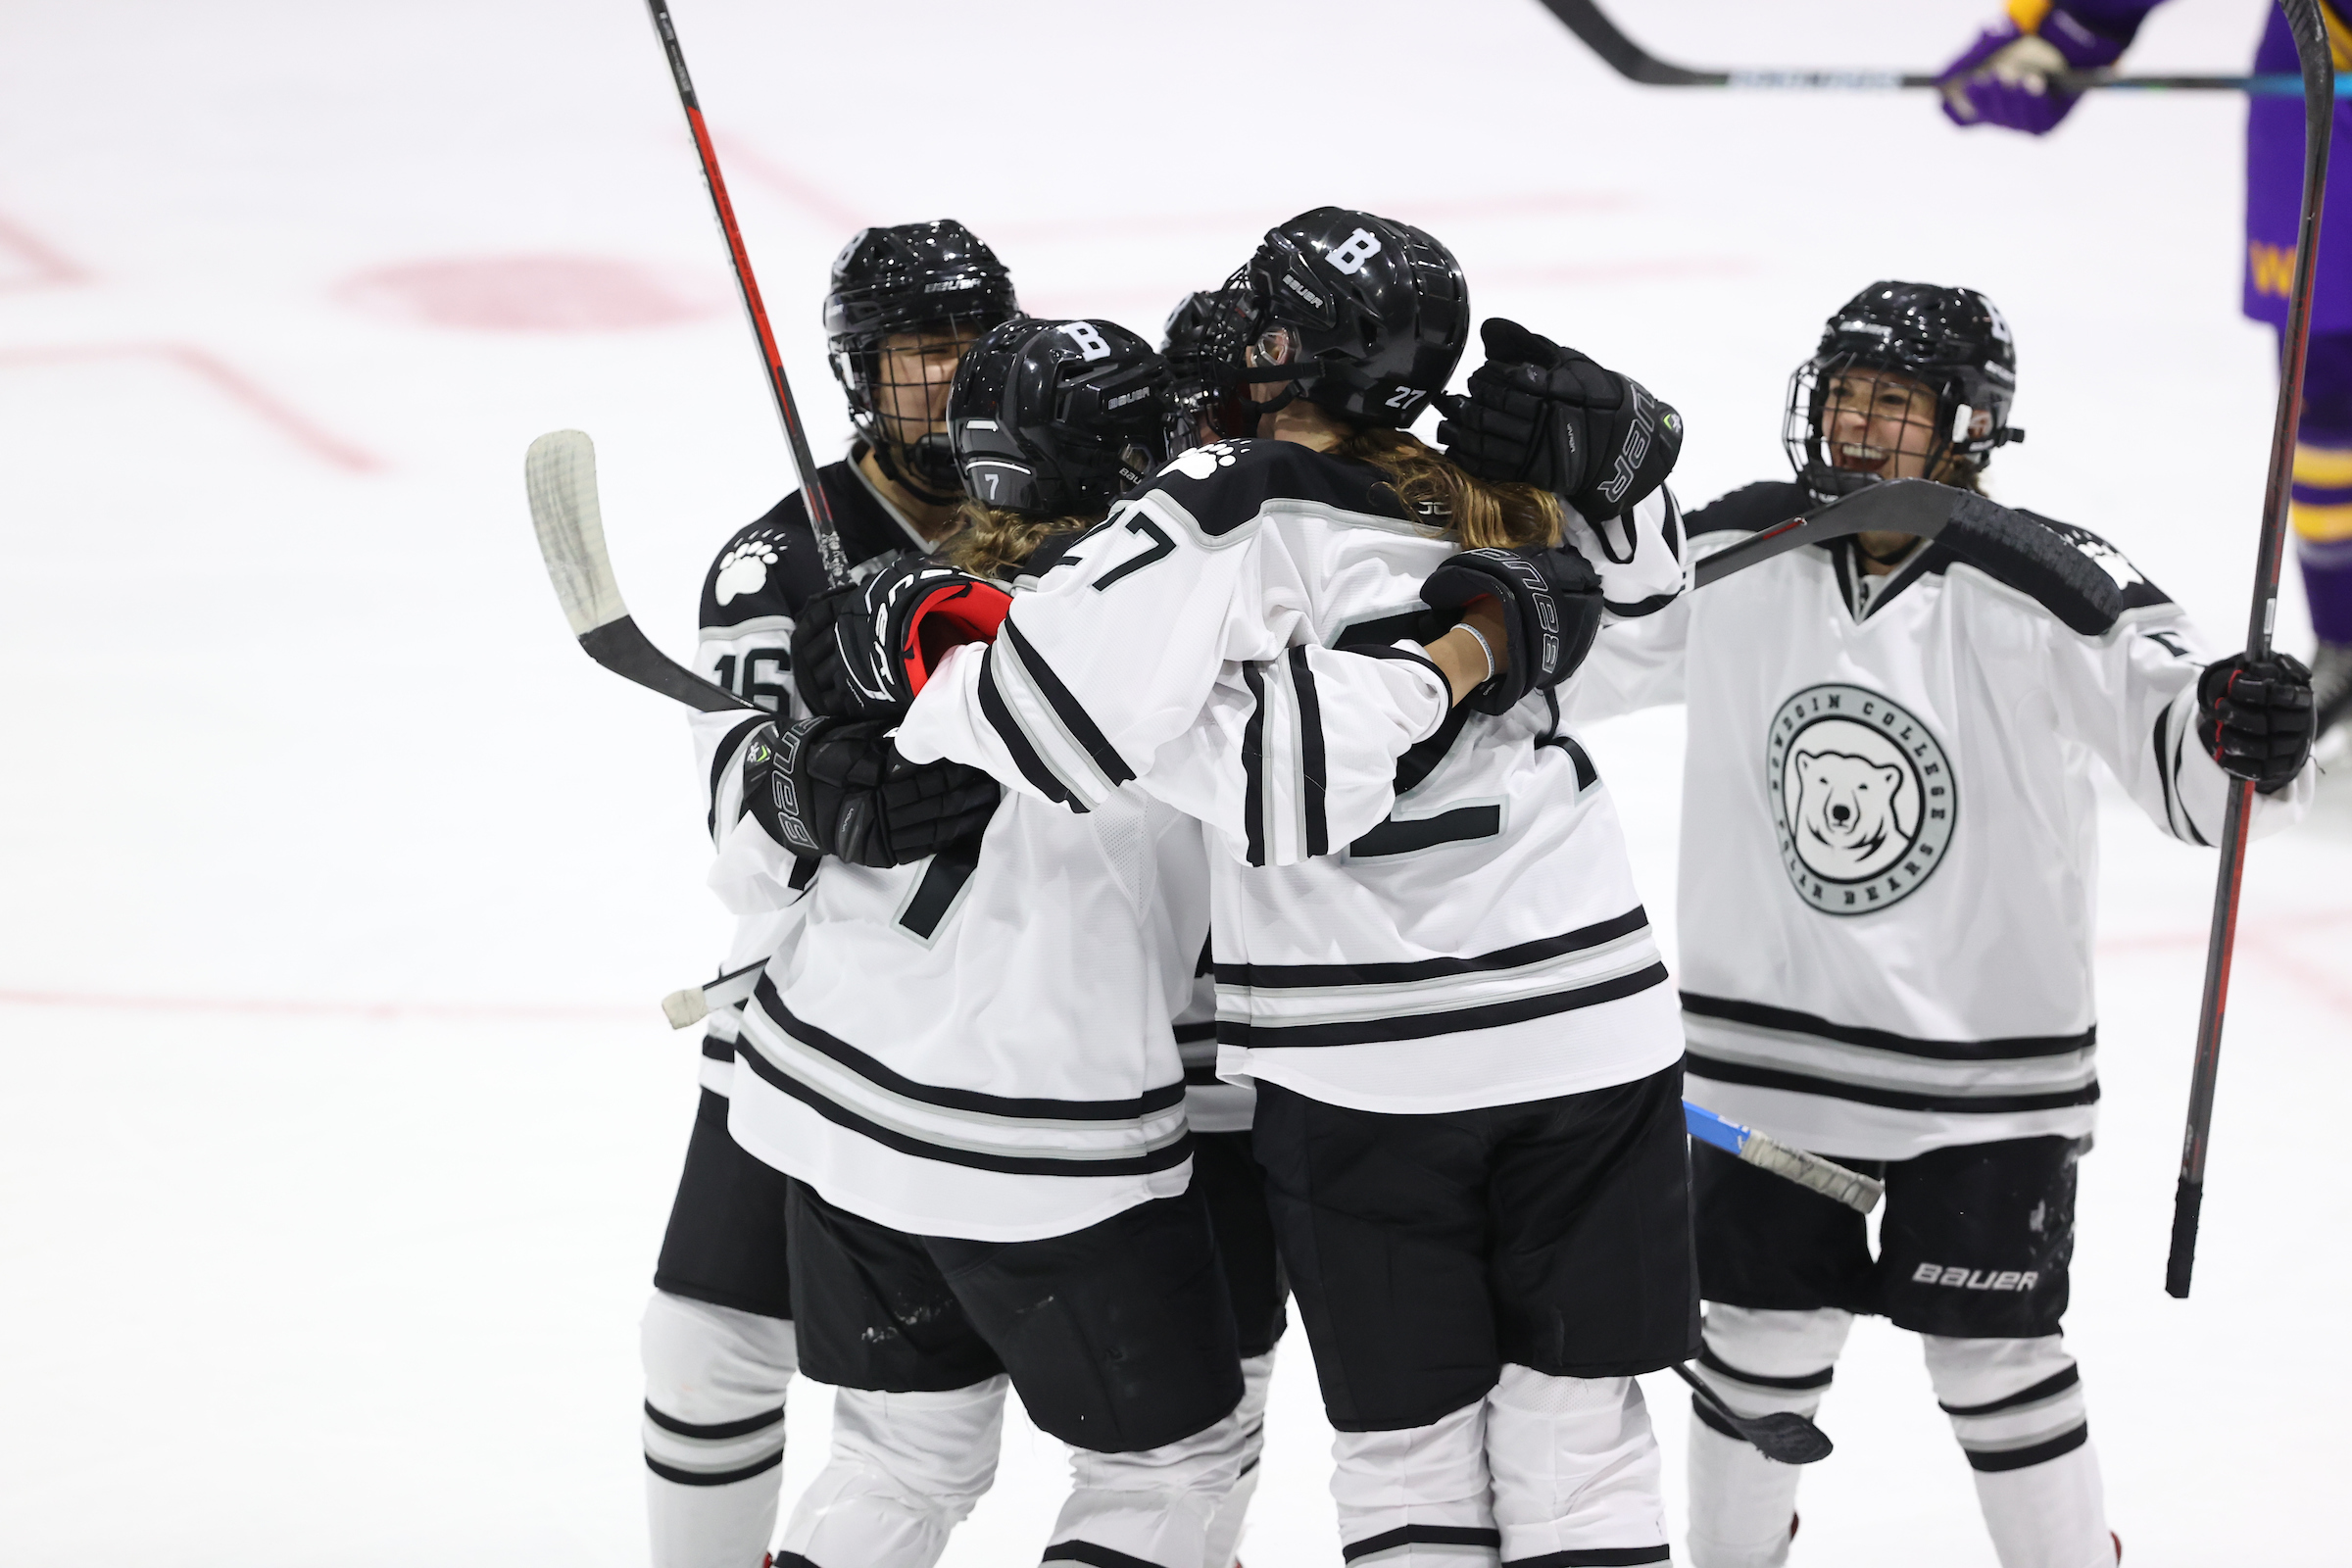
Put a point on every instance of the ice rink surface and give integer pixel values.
(337, 1121)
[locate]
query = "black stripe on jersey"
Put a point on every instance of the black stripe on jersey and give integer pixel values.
(1999, 1460)
(716, 1429)
(1253, 766)
(845, 1054)
(1597, 1557)
(1009, 730)
(1421, 1536)
(1310, 753)
(718, 1050)
(1092, 1555)
(2172, 781)
(1187, 1033)
(712, 1478)
(2056, 1383)
(1698, 1065)
(1810, 1380)
(1424, 1025)
(2014, 1048)
(1165, 1158)
(1636, 609)
(1463, 824)
(1203, 1076)
(725, 758)
(2164, 774)
(942, 878)
(1074, 718)
(1271, 976)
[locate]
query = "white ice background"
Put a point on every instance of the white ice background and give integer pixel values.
(337, 1121)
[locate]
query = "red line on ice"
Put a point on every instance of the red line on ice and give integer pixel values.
(51, 268)
(224, 378)
(812, 199)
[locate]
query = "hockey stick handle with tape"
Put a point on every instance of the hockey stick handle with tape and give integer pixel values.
(2312, 52)
(836, 562)
(1630, 59)
(1826, 1177)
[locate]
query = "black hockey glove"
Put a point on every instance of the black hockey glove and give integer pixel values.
(839, 787)
(863, 652)
(1543, 415)
(1551, 613)
(2255, 719)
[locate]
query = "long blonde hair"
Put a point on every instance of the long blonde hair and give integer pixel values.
(1432, 487)
(992, 542)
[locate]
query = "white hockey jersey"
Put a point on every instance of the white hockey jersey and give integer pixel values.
(1890, 837)
(752, 595)
(1415, 909)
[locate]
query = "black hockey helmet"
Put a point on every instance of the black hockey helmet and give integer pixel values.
(1056, 418)
(1375, 311)
(1952, 340)
(935, 288)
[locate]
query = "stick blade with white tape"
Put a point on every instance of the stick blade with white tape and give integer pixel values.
(559, 474)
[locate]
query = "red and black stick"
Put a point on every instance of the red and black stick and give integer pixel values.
(2318, 117)
(821, 510)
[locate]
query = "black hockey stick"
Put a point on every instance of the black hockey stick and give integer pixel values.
(560, 473)
(2009, 546)
(2310, 29)
(1630, 59)
(813, 492)
(1781, 1434)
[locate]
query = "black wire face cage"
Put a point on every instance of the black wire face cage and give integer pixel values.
(1213, 376)
(1848, 423)
(898, 385)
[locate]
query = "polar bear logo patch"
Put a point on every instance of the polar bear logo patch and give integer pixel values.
(1845, 804)
(1863, 797)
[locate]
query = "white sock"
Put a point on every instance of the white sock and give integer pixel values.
(905, 1470)
(1576, 1467)
(1158, 1506)
(1757, 1362)
(2016, 1407)
(715, 1382)
(1225, 1530)
(1418, 1498)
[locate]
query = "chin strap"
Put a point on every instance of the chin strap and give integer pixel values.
(902, 475)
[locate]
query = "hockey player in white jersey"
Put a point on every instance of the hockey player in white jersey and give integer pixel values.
(717, 1338)
(1429, 954)
(967, 1062)
(1023, 442)
(1889, 865)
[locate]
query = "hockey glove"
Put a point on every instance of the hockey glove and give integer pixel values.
(839, 787)
(2003, 78)
(1543, 415)
(2255, 719)
(863, 652)
(1550, 613)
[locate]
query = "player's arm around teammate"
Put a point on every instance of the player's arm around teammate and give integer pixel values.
(1888, 862)
(966, 1060)
(1468, 1103)
(717, 1339)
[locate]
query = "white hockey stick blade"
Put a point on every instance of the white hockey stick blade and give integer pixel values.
(1826, 1177)
(688, 1007)
(560, 471)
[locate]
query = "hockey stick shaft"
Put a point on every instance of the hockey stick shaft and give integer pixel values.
(2312, 52)
(1630, 59)
(1808, 1170)
(820, 509)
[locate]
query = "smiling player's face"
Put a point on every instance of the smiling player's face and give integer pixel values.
(1880, 421)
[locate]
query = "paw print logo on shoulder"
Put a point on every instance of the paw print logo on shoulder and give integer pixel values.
(2109, 559)
(744, 569)
(1201, 463)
